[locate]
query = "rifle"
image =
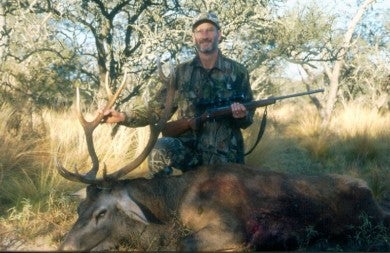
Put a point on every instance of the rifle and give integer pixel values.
(177, 127)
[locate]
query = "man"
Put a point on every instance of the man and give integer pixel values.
(209, 79)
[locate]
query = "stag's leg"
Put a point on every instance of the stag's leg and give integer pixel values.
(211, 238)
(213, 230)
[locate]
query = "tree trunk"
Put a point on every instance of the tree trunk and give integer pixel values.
(3, 35)
(335, 73)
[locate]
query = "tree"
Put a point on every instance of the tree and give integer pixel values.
(29, 80)
(335, 71)
(30, 55)
(308, 36)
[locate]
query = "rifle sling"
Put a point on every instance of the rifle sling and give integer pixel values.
(261, 131)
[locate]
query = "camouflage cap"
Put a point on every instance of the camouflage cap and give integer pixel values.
(206, 17)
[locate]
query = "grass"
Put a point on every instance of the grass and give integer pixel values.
(369, 236)
(35, 200)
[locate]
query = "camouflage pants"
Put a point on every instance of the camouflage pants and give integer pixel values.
(169, 153)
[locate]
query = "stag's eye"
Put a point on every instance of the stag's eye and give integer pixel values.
(99, 215)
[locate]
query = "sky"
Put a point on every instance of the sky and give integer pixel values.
(340, 4)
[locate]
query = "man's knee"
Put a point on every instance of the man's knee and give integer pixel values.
(163, 155)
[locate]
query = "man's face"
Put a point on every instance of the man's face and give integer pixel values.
(206, 37)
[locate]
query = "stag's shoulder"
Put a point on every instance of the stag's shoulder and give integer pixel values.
(241, 171)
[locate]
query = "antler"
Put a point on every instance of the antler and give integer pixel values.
(89, 127)
(155, 129)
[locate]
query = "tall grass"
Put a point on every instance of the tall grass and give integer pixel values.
(35, 200)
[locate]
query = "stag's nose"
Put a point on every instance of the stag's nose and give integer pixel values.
(65, 248)
(68, 245)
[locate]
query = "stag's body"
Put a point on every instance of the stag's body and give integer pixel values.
(227, 207)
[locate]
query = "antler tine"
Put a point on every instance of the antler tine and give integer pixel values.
(154, 129)
(72, 176)
(154, 133)
(89, 127)
(113, 98)
(161, 72)
(108, 90)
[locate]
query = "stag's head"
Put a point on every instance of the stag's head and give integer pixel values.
(100, 213)
(104, 217)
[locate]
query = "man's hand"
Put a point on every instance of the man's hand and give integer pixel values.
(238, 110)
(112, 116)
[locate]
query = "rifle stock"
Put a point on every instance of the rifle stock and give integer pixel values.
(177, 127)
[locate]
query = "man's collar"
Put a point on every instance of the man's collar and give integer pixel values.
(218, 64)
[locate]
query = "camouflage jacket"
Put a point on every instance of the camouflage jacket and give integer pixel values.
(197, 88)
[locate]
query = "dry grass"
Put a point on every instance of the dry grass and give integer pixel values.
(114, 151)
(293, 140)
(36, 202)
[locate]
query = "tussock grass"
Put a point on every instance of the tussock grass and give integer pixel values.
(36, 201)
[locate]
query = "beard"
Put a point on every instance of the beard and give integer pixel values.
(207, 46)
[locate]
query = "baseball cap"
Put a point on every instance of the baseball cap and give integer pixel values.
(206, 17)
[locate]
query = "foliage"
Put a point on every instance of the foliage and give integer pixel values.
(365, 77)
(30, 55)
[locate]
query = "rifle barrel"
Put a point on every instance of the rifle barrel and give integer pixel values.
(225, 110)
(298, 94)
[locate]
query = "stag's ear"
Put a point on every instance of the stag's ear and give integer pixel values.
(80, 194)
(129, 207)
